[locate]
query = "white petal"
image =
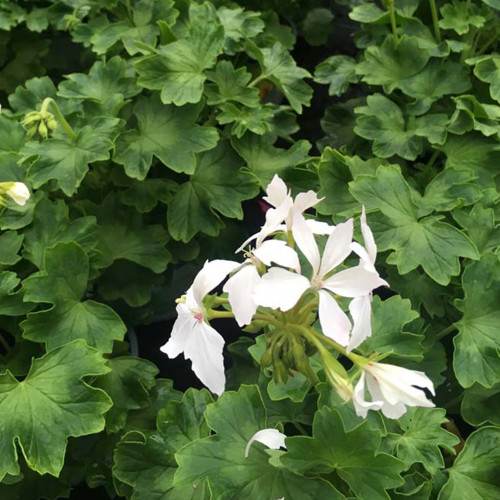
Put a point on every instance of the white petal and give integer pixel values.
(18, 192)
(181, 332)
(272, 438)
(361, 312)
(353, 282)
(361, 405)
(274, 218)
(390, 410)
(280, 289)
(363, 255)
(276, 191)
(334, 322)
(318, 227)
(204, 349)
(337, 247)
(368, 238)
(304, 238)
(247, 242)
(303, 201)
(210, 276)
(239, 288)
(279, 252)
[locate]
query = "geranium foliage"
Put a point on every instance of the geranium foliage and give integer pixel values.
(142, 142)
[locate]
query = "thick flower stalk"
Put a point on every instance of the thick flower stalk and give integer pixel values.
(270, 291)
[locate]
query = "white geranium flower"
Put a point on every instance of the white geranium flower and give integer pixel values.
(360, 307)
(18, 191)
(281, 289)
(285, 211)
(241, 284)
(193, 336)
(392, 388)
(272, 438)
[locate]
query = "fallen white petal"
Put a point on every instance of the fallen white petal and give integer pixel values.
(272, 438)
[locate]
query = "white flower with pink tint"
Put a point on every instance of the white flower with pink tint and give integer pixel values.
(191, 333)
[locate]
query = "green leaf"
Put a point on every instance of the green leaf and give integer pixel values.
(102, 83)
(437, 79)
(11, 298)
(12, 135)
(422, 437)
(481, 405)
(338, 72)
(421, 290)
(10, 244)
(217, 187)
(475, 358)
(239, 24)
(264, 160)
(470, 114)
(317, 26)
(169, 133)
(383, 122)
(392, 62)
(123, 235)
(426, 242)
(351, 454)
(235, 418)
(145, 195)
(127, 383)
(368, 13)
(66, 161)
(474, 475)
(487, 70)
(51, 404)
(475, 152)
(450, 188)
(388, 336)
(460, 16)
(63, 283)
(51, 225)
(178, 68)
(480, 226)
(278, 66)
(230, 84)
(256, 120)
(147, 465)
(181, 422)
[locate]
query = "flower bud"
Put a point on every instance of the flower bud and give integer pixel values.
(337, 376)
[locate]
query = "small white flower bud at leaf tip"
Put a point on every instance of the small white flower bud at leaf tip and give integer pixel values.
(272, 438)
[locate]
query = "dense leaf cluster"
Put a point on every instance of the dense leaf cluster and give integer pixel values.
(169, 116)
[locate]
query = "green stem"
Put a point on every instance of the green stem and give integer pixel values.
(392, 16)
(4, 343)
(60, 117)
(433, 157)
(256, 80)
(300, 428)
(485, 46)
(445, 331)
(219, 314)
(435, 20)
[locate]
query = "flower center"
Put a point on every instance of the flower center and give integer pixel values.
(198, 316)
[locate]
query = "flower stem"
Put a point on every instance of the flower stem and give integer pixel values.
(60, 117)
(256, 80)
(445, 331)
(300, 428)
(435, 20)
(219, 314)
(392, 16)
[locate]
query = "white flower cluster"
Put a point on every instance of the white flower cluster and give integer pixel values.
(271, 277)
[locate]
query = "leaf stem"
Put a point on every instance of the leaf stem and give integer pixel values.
(4, 343)
(256, 80)
(60, 117)
(435, 20)
(433, 157)
(300, 428)
(445, 331)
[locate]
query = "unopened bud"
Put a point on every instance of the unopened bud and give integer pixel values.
(337, 376)
(16, 190)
